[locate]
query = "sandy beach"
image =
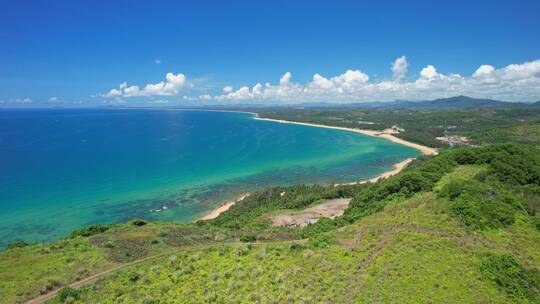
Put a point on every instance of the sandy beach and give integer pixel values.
(396, 168)
(387, 134)
(226, 205)
(222, 208)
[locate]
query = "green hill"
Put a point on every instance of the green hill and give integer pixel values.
(461, 227)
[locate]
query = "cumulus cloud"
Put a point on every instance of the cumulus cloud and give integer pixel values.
(484, 69)
(399, 67)
(157, 61)
(429, 72)
(515, 82)
(53, 99)
(171, 86)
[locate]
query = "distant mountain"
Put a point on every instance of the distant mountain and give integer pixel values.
(460, 102)
(456, 102)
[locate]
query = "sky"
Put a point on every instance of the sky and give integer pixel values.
(275, 52)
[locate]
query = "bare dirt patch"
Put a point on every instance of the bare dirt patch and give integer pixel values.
(330, 208)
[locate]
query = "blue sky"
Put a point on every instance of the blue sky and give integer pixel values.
(69, 52)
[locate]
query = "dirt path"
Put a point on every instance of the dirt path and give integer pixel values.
(329, 208)
(51, 294)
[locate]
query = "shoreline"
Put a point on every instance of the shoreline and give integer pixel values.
(385, 134)
(396, 168)
(222, 208)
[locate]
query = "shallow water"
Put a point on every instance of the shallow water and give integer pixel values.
(65, 168)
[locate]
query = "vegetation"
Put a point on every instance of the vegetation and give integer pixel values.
(90, 230)
(461, 227)
(295, 197)
(16, 244)
(406, 239)
(482, 125)
(506, 272)
(525, 133)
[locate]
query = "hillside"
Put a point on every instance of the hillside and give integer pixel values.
(462, 102)
(460, 227)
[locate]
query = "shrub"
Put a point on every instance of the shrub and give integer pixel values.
(479, 205)
(296, 246)
(513, 278)
(148, 299)
(17, 244)
(321, 240)
(531, 193)
(248, 238)
(90, 230)
(134, 276)
(324, 224)
(481, 213)
(536, 222)
(66, 293)
(138, 222)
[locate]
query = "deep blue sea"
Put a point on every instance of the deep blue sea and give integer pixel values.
(61, 169)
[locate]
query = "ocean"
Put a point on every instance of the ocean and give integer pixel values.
(61, 169)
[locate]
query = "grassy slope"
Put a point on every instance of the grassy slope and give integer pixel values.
(413, 251)
(25, 272)
(406, 244)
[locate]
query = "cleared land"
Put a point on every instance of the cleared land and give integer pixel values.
(330, 209)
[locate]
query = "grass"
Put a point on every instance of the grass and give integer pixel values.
(412, 246)
(31, 270)
(35, 269)
(270, 273)
(420, 268)
(415, 251)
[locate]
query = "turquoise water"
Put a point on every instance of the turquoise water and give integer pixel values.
(66, 168)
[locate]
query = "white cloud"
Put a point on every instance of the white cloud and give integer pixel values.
(285, 78)
(399, 67)
(26, 100)
(171, 86)
(429, 72)
(53, 99)
(521, 71)
(157, 61)
(515, 82)
(484, 69)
